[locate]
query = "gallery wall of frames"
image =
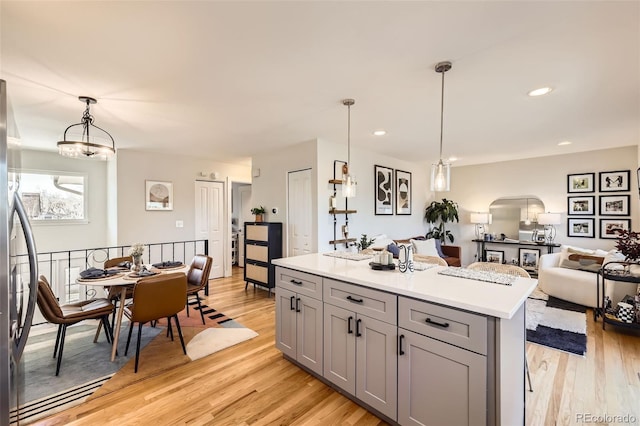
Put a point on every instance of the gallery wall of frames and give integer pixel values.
(598, 204)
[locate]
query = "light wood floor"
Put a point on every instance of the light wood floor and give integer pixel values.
(252, 384)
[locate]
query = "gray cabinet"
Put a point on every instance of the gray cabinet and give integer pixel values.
(360, 351)
(440, 380)
(262, 244)
(299, 314)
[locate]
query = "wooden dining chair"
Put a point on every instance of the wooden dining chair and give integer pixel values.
(197, 278)
(113, 293)
(502, 268)
(70, 314)
(154, 298)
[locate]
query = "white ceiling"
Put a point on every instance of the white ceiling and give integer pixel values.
(228, 80)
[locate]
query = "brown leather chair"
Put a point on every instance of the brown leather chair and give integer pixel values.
(197, 278)
(114, 292)
(70, 314)
(154, 298)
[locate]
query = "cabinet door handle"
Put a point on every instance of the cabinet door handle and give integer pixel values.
(351, 299)
(358, 321)
(400, 340)
(439, 324)
(293, 308)
(297, 304)
(349, 329)
(296, 282)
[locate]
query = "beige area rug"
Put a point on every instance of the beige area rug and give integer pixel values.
(215, 339)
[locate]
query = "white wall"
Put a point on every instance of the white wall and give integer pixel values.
(475, 187)
(135, 224)
(54, 237)
(269, 190)
(366, 221)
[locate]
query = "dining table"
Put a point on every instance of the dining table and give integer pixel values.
(122, 280)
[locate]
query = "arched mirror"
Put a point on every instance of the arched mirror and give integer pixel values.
(516, 218)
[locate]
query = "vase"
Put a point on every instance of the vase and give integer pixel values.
(258, 218)
(136, 265)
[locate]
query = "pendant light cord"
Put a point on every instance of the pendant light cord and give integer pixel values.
(441, 115)
(349, 135)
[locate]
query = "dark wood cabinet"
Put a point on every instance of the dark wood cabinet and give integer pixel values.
(262, 244)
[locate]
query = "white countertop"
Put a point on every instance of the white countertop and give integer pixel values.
(497, 300)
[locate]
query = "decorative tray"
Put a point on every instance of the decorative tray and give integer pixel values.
(381, 267)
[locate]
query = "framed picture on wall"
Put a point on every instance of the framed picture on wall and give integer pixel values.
(494, 256)
(403, 192)
(529, 258)
(383, 197)
(609, 228)
(158, 195)
(581, 227)
(614, 205)
(581, 206)
(582, 182)
(617, 181)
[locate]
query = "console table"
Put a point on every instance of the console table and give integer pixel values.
(482, 243)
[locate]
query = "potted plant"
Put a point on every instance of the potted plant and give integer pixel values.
(258, 212)
(365, 242)
(441, 212)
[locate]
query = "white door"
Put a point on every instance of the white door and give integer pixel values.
(244, 215)
(210, 222)
(300, 213)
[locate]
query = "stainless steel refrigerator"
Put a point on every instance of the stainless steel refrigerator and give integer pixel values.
(18, 269)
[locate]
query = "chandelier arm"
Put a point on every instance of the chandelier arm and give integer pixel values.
(113, 143)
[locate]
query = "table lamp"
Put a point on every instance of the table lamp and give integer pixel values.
(549, 220)
(480, 220)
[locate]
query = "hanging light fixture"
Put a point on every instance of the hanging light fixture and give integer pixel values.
(89, 145)
(348, 180)
(441, 172)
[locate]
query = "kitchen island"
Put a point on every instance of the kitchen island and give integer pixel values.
(415, 348)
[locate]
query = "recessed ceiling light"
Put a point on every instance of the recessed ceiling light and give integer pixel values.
(380, 132)
(452, 159)
(563, 143)
(541, 91)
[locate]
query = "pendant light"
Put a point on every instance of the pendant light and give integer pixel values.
(348, 180)
(441, 172)
(89, 145)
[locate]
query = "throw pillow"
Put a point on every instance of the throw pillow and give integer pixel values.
(586, 258)
(613, 256)
(393, 249)
(380, 242)
(584, 265)
(426, 247)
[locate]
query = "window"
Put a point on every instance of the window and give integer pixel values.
(53, 197)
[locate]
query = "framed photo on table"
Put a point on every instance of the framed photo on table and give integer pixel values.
(158, 195)
(529, 259)
(494, 256)
(582, 182)
(383, 197)
(614, 205)
(610, 228)
(581, 227)
(617, 181)
(403, 192)
(581, 205)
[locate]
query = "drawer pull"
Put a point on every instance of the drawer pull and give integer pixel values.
(349, 329)
(439, 324)
(298, 305)
(358, 321)
(291, 300)
(351, 299)
(400, 340)
(296, 282)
